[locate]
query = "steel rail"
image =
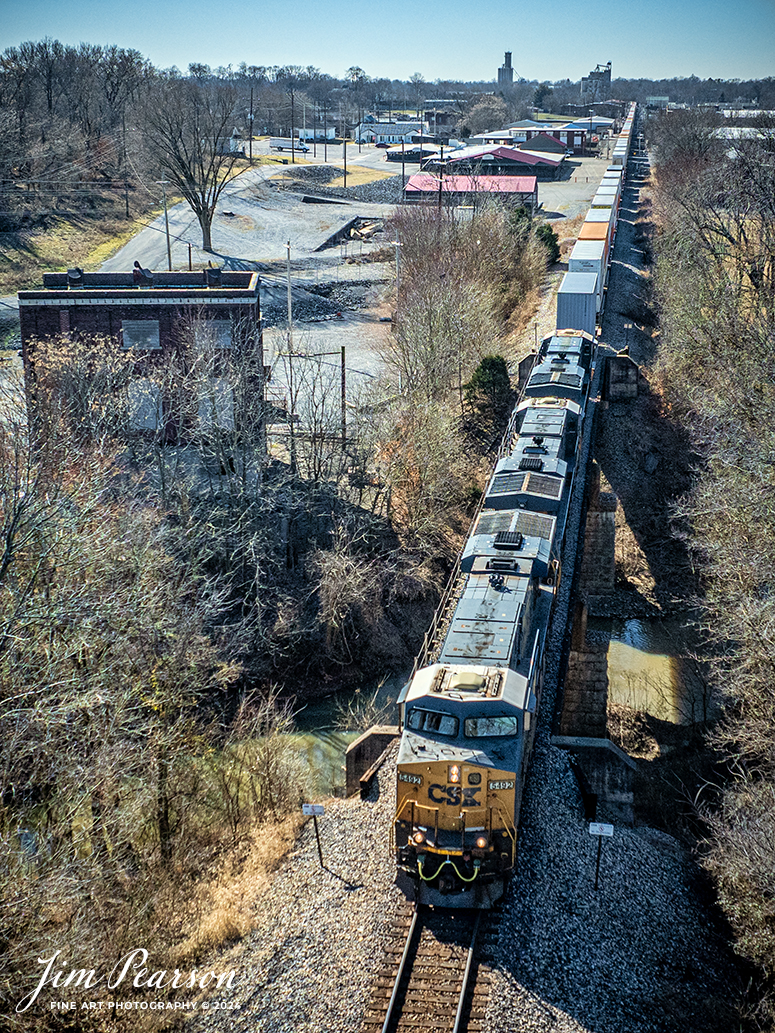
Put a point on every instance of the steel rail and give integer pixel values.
(401, 967)
(466, 974)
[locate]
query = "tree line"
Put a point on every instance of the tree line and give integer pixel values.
(715, 287)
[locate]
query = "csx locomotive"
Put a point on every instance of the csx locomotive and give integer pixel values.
(468, 714)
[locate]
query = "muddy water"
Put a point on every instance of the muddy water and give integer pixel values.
(650, 669)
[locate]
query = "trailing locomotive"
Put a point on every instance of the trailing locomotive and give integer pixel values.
(468, 716)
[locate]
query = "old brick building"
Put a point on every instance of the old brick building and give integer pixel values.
(156, 316)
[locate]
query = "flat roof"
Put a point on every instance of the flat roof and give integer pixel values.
(232, 287)
(424, 182)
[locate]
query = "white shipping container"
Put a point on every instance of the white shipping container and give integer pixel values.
(577, 302)
(601, 215)
(589, 256)
(601, 202)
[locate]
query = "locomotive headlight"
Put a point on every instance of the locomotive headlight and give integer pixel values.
(453, 773)
(481, 842)
(418, 838)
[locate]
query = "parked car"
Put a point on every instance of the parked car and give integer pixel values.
(385, 145)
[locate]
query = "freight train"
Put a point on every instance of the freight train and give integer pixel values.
(468, 714)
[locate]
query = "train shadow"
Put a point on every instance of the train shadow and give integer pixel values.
(646, 458)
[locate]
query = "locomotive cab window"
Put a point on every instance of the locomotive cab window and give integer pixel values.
(486, 727)
(432, 721)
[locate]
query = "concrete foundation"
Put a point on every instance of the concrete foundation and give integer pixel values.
(365, 756)
(598, 563)
(620, 382)
(608, 772)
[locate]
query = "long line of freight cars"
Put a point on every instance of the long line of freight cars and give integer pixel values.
(581, 297)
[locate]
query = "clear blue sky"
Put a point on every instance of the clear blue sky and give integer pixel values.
(455, 39)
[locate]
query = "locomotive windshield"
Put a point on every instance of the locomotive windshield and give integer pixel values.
(486, 727)
(432, 721)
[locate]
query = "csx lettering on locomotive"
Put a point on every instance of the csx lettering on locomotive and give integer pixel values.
(464, 796)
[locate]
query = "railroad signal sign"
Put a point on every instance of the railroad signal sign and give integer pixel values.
(598, 828)
(601, 830)
(312, 810)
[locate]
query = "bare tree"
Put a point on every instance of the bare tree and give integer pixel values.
(188, 123)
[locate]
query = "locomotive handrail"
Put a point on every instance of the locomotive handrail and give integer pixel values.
(409, 801)
(510, 828)
(505, 446)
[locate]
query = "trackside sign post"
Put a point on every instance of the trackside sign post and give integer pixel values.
(599, 829)
(313, 810)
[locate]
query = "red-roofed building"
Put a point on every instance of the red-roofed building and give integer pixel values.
(426, 187)
(498, 161)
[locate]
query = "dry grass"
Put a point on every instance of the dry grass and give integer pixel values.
(283, 158)
(567, 231)
(86, 241)
(358, 175)
(630, 729)
(225, 900)
(632, 566)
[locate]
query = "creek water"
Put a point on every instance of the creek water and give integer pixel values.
(321, 739)
(650, 668)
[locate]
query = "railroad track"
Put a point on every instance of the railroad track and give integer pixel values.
(434, 976)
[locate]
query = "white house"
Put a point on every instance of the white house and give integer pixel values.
(389, 132)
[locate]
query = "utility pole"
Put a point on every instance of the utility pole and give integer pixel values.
(250, 126)
(126, 179)
(344, 401)
(441, 176)
(163, 183)
(290, 365)
(293, 153)
(344, 152)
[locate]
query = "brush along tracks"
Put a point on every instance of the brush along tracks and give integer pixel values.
(434, 975)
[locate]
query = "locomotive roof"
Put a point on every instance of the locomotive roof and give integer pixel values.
(488, 617)
(535, 525)
(463, 688)
(538, 490)
(506, 551)
(533, 451)
(567, 335)
(563, 379)
(544, 423)
(549, 404)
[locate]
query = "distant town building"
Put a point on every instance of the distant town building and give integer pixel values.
(388, 132)
(566, 137)
(506, 73)
(597, 85)
(453, 190)
(497, 161)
